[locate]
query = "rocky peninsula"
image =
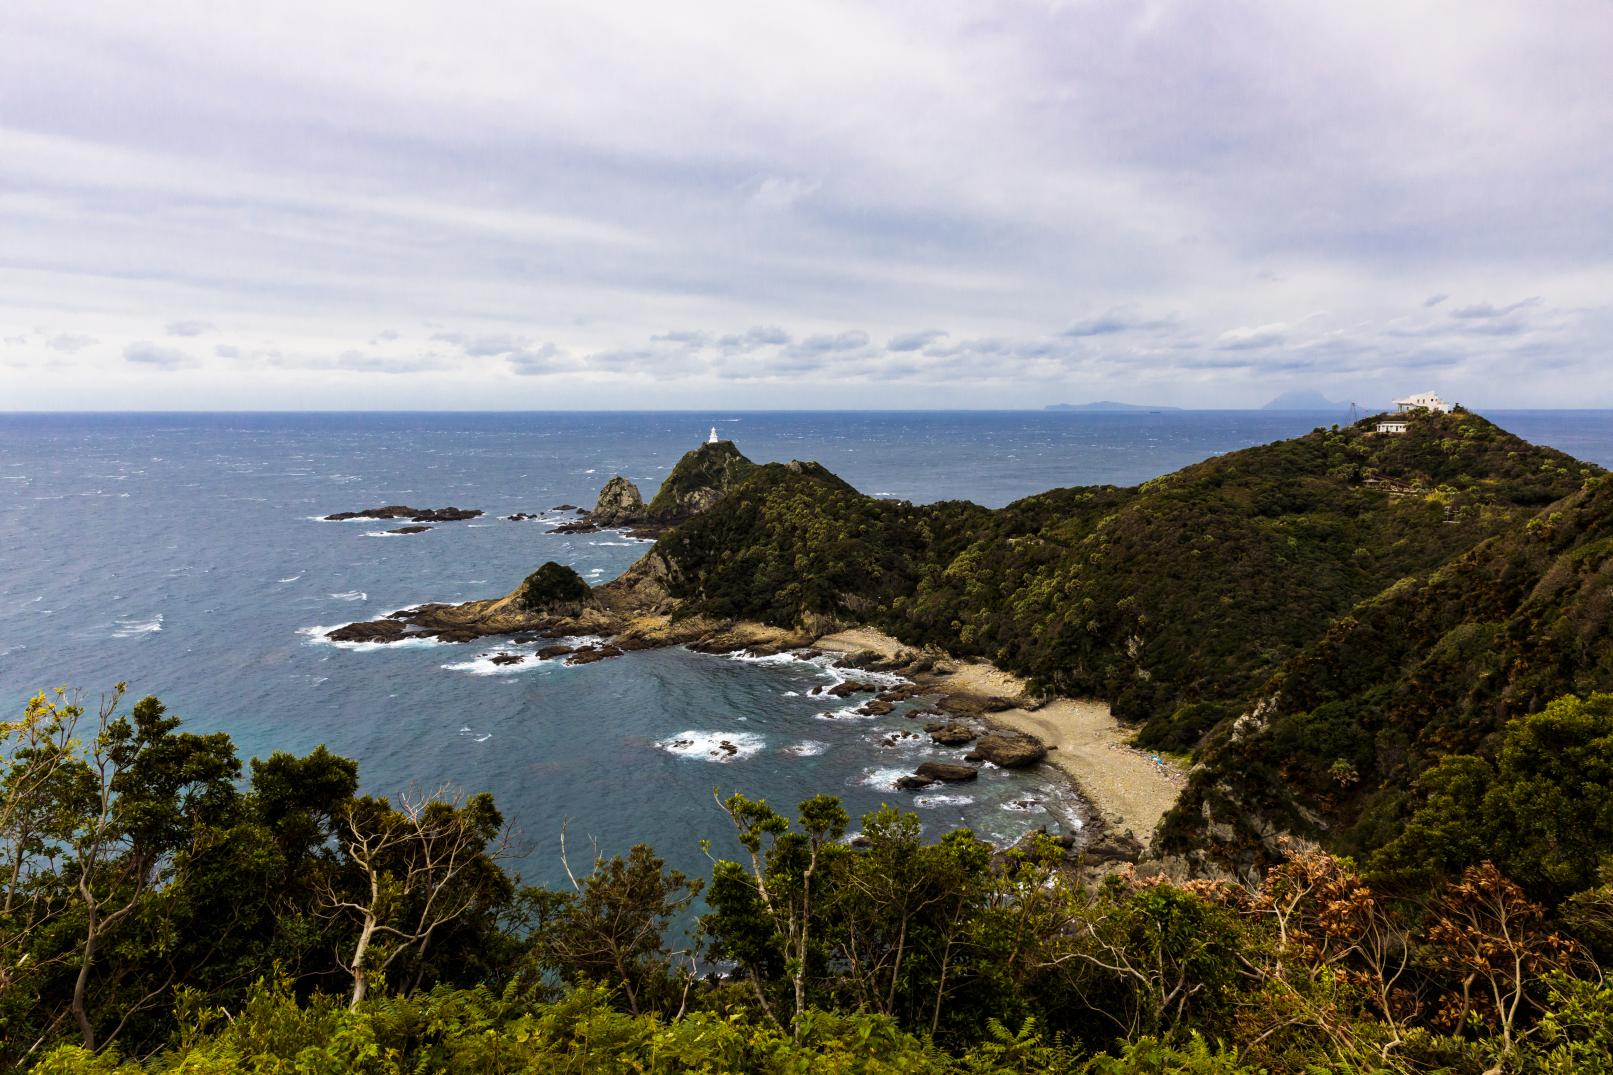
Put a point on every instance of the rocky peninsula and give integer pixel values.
(1198, 615)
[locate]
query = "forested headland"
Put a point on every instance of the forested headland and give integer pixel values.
(1386, 657)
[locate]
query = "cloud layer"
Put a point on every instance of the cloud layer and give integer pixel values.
(758, 205)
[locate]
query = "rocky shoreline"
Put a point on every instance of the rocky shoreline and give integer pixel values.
(956, 711)
(965, 704)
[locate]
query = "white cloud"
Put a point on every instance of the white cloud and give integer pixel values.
(146, 353)
(498, 181)
(913, 341)
(189, 328)
(70, 342)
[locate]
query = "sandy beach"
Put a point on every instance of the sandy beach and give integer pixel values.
(1128, 788)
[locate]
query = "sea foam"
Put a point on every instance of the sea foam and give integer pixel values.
(708, 746)
(134, 626)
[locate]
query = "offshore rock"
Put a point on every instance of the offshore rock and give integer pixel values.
(946, 771)
(403, 511)
(619, 502)
(590, 654)
(372, 631)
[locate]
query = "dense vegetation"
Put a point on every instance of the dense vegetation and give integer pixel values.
(1331, 581)
(550, 585)
(163, 914)
(1432, 672)
(698, 480)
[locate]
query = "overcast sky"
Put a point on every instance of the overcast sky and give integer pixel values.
(527, 205)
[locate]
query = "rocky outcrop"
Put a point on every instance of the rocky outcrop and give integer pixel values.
(409, 530)
(403, 511)
(946, 772)
(698, 481)
(937, 772)
(974, 705)
(951, 733)
(555, 589)
(1008, 751)
(374, 631)
(591, 654)
(619, 503)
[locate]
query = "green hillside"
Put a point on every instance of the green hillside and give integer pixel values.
(1174, 600)
(1435, 666)
(698, 480)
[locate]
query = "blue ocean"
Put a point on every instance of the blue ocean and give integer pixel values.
(186, 554)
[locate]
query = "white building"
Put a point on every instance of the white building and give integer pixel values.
(1424, 401)
(1393, 425)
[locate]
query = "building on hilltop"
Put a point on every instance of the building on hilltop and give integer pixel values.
(1393, 425)
(713, 438)
(1424, 401)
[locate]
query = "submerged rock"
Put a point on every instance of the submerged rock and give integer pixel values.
(506, 658)
(410, 530)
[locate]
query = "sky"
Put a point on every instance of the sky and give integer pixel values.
(690, 205)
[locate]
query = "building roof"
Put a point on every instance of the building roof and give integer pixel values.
(1430, 400)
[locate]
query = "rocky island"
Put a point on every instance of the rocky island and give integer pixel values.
(413, 515)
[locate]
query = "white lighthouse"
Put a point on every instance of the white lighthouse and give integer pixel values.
(713, 438)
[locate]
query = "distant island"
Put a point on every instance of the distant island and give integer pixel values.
(1303, 399)
(1107, 405)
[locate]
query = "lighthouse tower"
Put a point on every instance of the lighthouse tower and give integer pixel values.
(713, 438)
